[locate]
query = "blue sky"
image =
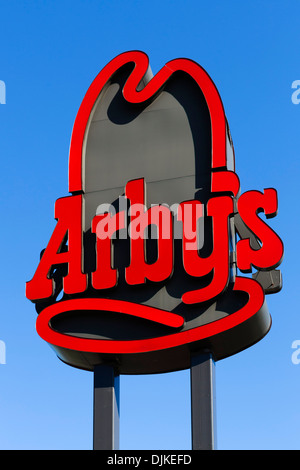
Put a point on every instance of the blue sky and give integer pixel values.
(50, 52)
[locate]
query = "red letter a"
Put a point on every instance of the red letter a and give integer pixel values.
(68, 211)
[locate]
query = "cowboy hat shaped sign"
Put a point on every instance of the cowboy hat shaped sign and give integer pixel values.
(156, 252)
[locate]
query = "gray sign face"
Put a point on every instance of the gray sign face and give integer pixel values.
(159, 151)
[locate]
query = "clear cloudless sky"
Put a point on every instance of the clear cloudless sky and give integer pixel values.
(50, 51)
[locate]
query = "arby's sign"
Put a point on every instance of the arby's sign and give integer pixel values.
(156, 251)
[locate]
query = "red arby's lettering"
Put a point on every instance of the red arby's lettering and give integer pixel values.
(105, 226)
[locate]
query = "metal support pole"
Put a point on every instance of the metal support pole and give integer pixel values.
(203, 401)
(106, 408)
